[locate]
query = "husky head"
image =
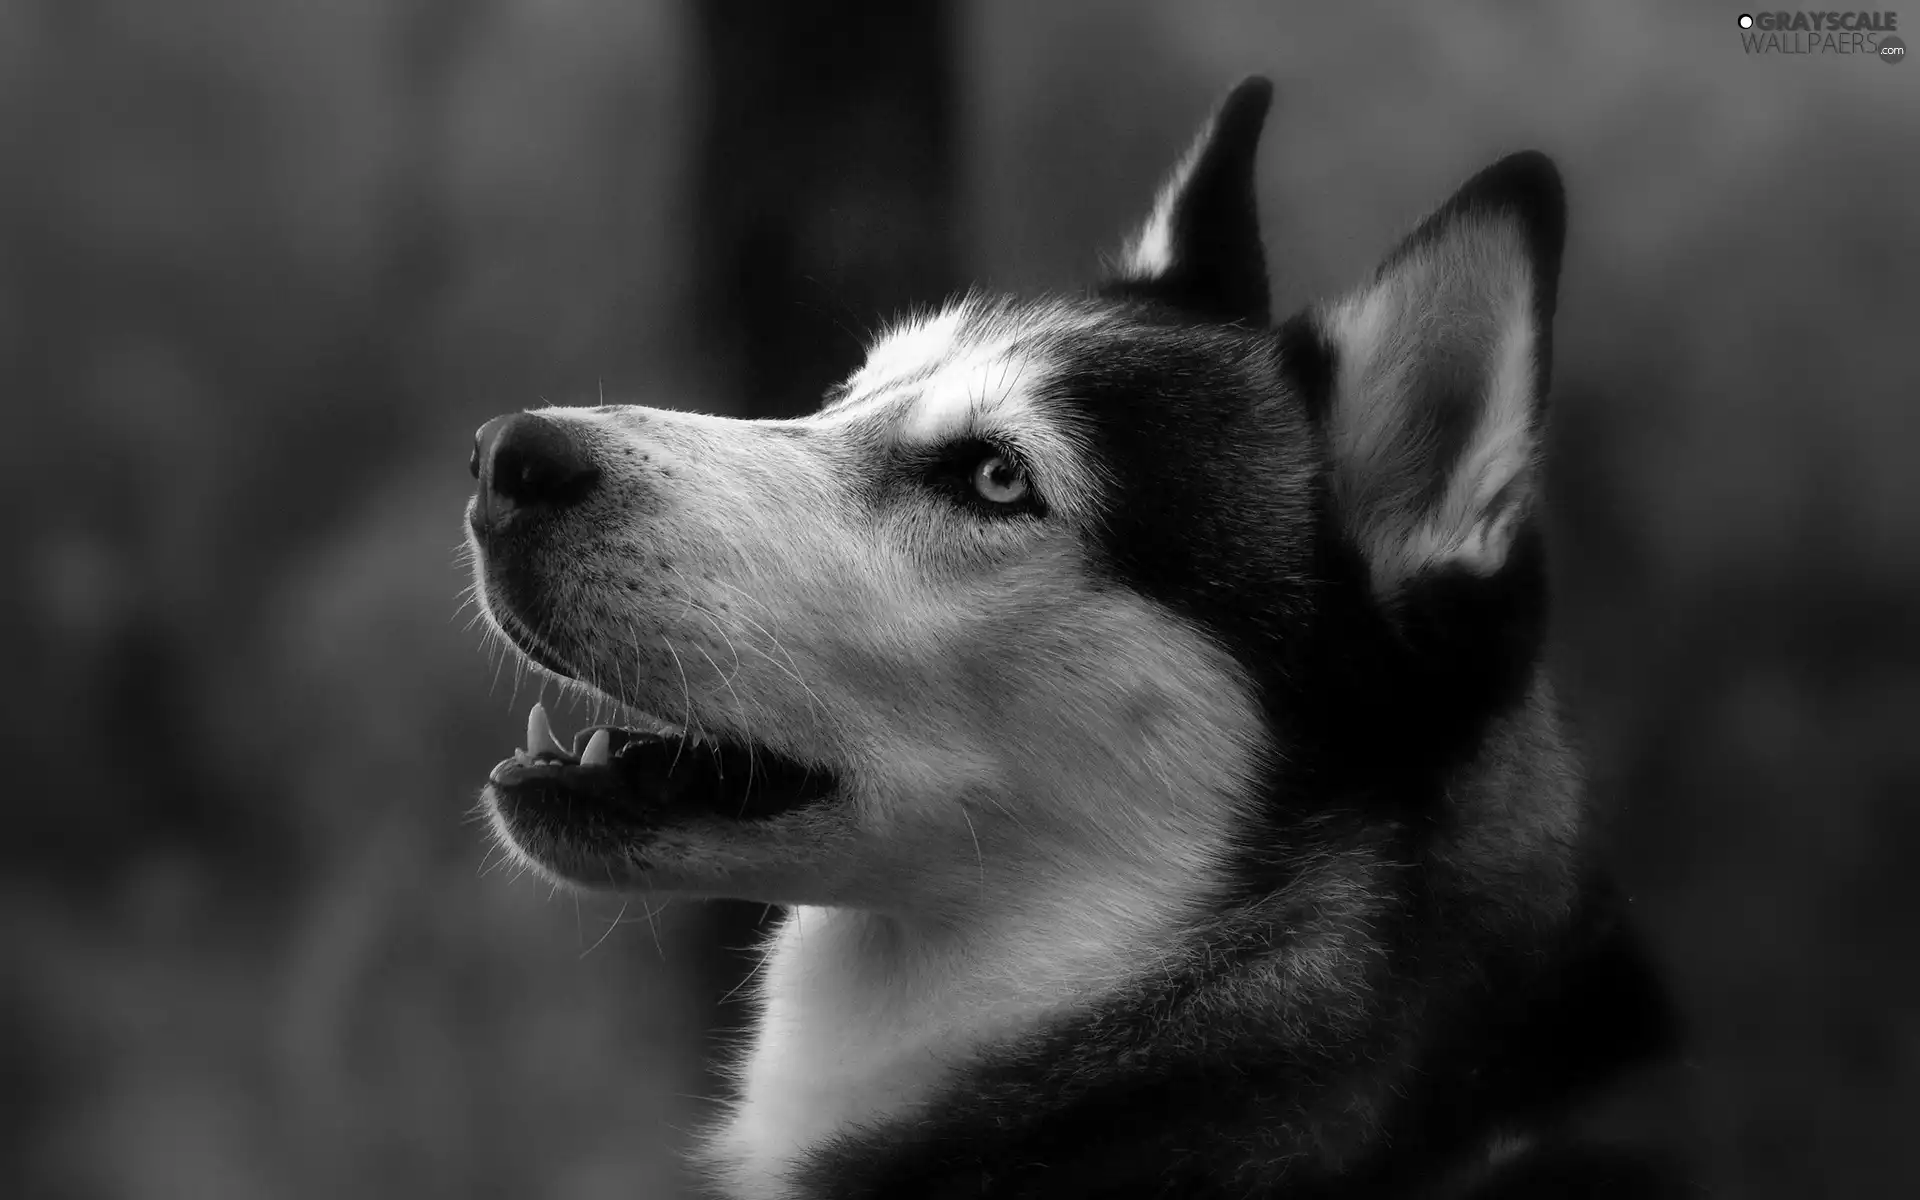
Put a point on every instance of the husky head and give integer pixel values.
(1094, 596)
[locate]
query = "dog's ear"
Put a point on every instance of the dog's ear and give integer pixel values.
(1434, 405)
(1200, 249)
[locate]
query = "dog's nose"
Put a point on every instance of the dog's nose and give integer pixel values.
(524, 460)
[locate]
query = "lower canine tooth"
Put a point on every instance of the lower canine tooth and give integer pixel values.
(597, 752)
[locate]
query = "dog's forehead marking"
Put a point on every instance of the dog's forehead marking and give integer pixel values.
(984, 368)
(911, 350)
(985, 384)
(974, 358)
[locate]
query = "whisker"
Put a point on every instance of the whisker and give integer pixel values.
(611, 926)
(978, 857)
(791, 667)
(686, 725)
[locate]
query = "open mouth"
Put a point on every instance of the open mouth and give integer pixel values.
(625, 779)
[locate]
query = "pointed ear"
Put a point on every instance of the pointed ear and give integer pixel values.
(1440, 370)
(1200, 249)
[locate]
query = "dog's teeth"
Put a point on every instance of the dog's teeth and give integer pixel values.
(523, 758)
(597, 753)
(540, 739)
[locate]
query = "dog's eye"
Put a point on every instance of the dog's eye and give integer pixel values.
(1000, 480)
(984, 479)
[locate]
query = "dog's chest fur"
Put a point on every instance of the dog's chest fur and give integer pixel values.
(840, 1041)
(862, 1021)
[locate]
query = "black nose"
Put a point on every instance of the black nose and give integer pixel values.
(525, 460)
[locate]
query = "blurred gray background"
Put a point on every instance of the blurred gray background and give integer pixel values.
(265, 264)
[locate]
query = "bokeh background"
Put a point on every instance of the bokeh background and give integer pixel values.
(265, 264)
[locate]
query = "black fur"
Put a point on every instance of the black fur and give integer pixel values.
(1469, 1001)
(1155, 1095)
(1219, 266)
(1459, 1030)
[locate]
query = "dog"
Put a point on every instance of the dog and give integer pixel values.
(1136, 707)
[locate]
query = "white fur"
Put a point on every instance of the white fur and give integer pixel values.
(1467, 295)
(864, 1012)
(973, 369)
(909, 348)
(1150, 252)
(1466, 527)
(1039, 771)
(862, 1017)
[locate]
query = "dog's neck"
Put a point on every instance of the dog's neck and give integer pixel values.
(863, 1016)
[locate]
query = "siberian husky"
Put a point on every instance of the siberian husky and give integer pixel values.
(1135, 706)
